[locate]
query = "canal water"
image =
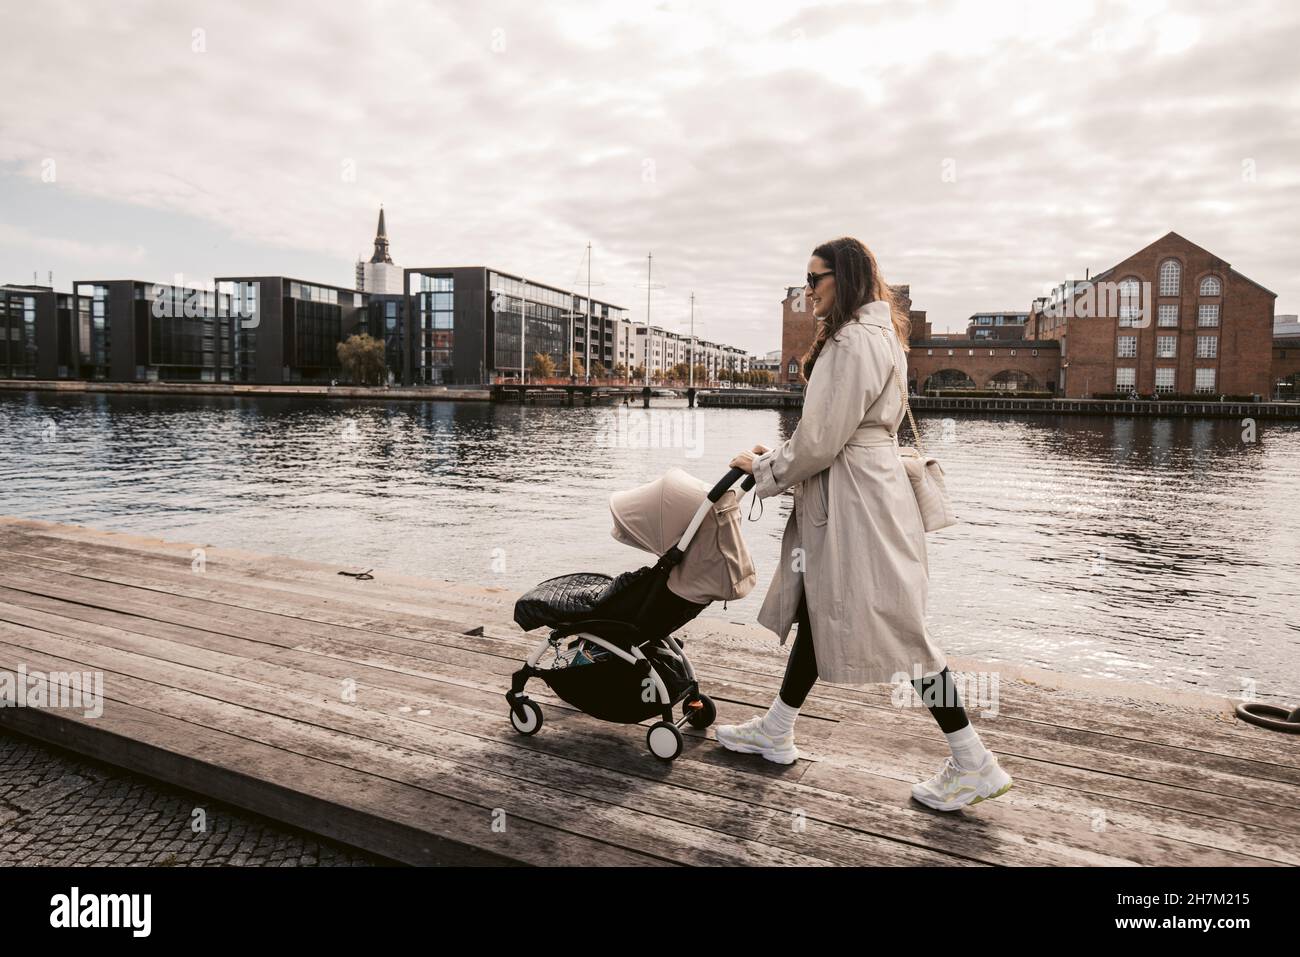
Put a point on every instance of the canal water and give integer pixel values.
(1159, 550)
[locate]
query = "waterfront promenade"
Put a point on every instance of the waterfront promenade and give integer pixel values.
(372, 712)
(1181, 408)
(81, 387)
(705, 398)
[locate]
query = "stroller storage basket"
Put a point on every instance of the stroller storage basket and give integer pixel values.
(616, 690)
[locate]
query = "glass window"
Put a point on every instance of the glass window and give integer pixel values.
(1127, 347)
(1208, 314)
(1210, 286)
(1204, 380)
(1130, 304)
(1166, 346)
(1125, 378)
(1167, 314)
(1171, 277)
(1165, 379)
(1207, 347)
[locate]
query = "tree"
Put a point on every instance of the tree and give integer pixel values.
(579, 370)
(543, 365)
(678, 371)
(598, 370)
(620, 371)
(362, 359)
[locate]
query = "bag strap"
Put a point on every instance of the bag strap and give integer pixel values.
(902, 391)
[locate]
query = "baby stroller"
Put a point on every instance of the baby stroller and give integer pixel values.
(611, 652)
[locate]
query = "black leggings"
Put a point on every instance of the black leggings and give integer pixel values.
(801, 673)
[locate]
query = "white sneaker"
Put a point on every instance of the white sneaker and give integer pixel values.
(953, 787)
(750, 738)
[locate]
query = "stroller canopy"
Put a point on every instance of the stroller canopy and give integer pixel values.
(716, 564)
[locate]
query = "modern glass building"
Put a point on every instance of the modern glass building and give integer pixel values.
(36, 335)
(133, 331)
(477, 325)
(386, 320)
(287, 331)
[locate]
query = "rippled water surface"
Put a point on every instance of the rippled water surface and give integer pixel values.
(1159, 550)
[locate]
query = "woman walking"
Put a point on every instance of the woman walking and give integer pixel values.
(853, 569)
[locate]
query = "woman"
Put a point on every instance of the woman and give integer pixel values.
(853, 567)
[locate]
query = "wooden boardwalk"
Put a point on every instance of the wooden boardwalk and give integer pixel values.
(233, 681)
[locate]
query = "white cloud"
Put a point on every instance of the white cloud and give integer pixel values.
(110, 254)
(511, 134)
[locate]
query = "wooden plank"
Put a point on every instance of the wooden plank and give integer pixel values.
(1253, 740)
(1246, 790)
(296, 681)
(258, 648)
(364, 810)
(321, 729)
(253, 733)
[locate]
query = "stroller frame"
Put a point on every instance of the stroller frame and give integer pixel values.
(664, 737)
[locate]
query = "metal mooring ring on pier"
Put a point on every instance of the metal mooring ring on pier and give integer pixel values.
(1270, 716)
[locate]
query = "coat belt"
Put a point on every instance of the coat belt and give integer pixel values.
(873, 435)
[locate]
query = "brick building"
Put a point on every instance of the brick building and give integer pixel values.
(798, 326)
(1172, 319)
(1006, 366)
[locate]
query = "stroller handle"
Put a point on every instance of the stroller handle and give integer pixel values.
(729, 480)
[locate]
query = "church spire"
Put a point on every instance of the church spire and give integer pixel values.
(381, 241)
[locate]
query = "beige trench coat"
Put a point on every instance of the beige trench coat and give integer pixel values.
(854, 542)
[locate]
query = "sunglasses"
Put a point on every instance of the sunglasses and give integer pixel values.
(815, 277)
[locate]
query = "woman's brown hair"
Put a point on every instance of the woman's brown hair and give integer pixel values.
(857, 282)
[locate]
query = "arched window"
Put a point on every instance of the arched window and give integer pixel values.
(1171, 277)
(1130, 301)
(1210, 286)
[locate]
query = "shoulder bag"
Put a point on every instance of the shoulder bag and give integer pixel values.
(923, 471)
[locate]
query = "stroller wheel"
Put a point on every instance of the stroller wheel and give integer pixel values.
(702, 716)
(532, 721)
(664, 740)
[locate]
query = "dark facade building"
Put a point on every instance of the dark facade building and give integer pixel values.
(37, 334)
(133, 331)
(465, 323)
(386, 320)
(1286, 357)
(283, 331)
(997, 325)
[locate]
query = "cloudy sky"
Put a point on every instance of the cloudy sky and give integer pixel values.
(983, 151)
